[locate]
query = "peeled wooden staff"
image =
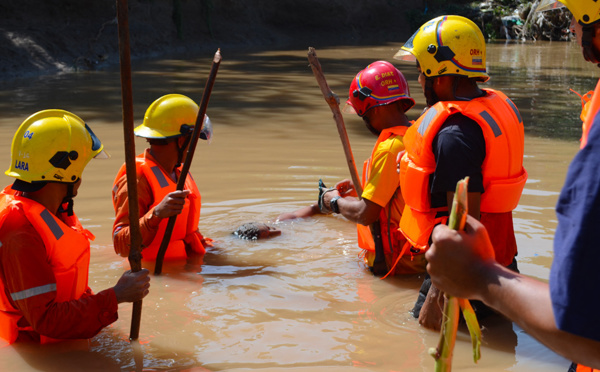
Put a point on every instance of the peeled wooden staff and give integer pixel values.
(135, 255)
(444, 351)
(379, 265)
(188, 158)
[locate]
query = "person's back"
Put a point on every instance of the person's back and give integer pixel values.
(466, 131)
(565, 320)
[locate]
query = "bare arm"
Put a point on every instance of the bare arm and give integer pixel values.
(362, 211)
(463, 265)
(303, 212)
(527, 302)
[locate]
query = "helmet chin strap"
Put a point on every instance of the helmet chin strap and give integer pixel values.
(589, 52)
(68, 199)
(181, 150)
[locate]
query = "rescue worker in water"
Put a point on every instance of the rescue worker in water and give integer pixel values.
(44, 250)
(562, 314)
(466, 131)
(379, 95)
(168, 126)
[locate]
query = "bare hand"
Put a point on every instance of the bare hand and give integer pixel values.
(327, 196)
(346, 188)
(458, 261)
(172, 204)
(431, 315)
(132, 287)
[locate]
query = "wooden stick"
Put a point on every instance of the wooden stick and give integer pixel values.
(188, 158)
(333, 101)
(379, 265)
(135, 256)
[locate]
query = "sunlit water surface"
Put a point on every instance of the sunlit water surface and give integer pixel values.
(301, 301)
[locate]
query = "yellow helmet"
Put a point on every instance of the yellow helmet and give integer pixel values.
(585, 12)
(447, 45)
(169, 116)
(52, 146)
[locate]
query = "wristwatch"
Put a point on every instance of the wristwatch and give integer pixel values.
(333, 204)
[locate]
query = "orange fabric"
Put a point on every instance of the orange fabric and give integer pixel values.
(581, 368)
(381, 186)
(37, 301)
(503, 174)
(153, 185)
(592, 108)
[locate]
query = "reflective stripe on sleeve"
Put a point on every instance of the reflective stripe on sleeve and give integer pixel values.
(33, 292)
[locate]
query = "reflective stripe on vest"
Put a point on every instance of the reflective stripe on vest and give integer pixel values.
(432, 113)
(503, 174)
(68, 252)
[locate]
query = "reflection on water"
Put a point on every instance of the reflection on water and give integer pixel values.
(539, 83)
(301, 301)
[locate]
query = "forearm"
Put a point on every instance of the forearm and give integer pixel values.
(75, 319)
(527, 302)
(355, 210)
(148, 229)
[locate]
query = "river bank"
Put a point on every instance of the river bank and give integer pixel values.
(58, 36)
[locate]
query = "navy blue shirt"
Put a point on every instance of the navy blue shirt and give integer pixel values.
(575, 272)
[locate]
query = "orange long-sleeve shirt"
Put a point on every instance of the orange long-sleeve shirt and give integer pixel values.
(24, 271)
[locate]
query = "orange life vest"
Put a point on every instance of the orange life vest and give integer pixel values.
(581, 368)
(503, 173)
(68, 251)
(389, 227)
(590, 109)
(186, 224)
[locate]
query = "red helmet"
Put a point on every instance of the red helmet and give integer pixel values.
(379, 84)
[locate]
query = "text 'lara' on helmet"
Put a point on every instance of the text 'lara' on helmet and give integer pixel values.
(53, 146)
(169, 116)
(379, 84)
(447, 45)
(586, 12)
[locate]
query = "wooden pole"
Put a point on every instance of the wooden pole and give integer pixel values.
(188, 158)
(333, 100)
(379, 265)
(135, 255)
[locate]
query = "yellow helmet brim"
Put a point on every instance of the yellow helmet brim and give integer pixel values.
(147, 132)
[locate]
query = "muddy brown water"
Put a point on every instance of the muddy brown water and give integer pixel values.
(302, 301)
